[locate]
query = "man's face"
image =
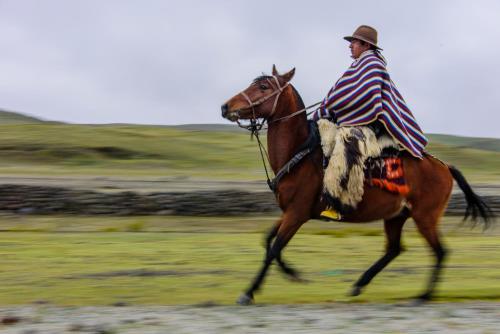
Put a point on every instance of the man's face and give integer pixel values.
(357, 48)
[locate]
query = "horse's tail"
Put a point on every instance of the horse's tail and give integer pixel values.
(476, 206)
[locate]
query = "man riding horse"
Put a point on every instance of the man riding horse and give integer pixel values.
(295, 157)
(365, 95)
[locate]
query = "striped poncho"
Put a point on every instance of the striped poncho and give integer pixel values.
(366, 93)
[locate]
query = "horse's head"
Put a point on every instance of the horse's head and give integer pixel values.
(259, 100)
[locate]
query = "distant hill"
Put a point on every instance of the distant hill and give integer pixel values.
(9, 117)
(205, 151)
(208, 127)
(440, 142)
(488, 144)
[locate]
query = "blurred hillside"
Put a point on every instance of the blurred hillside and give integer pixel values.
(29, 146)
(9, 117)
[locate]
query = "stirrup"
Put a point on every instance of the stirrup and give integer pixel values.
(330, 214)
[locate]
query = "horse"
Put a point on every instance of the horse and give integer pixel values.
(272, 99)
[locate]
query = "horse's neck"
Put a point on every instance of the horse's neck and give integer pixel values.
(284, 137)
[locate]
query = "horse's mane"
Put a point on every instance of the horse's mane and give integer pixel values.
(300, 102)
(262, 77)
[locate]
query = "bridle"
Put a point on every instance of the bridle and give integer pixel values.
(254, 127)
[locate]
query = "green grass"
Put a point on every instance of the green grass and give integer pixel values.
(477, 165)
(488, 144)
(190, 260)
(214, 152)
(126, 150)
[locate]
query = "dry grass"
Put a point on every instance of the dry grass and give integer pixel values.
(189, 260)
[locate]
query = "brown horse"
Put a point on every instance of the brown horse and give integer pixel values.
(299, 193)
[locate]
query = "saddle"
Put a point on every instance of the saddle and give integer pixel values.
(353, 157)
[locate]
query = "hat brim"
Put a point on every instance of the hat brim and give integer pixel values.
(350, 38)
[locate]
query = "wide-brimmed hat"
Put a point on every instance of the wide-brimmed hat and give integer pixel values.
(366, 34)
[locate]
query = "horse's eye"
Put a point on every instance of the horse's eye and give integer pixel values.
(263, 87)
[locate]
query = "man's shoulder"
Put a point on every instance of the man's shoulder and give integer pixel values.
(369, 59)
(372, 60)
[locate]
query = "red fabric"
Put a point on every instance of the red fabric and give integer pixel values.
(391, 177)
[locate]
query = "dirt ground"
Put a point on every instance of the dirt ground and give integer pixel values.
(116, 184)
(157, 184)
(404, 317)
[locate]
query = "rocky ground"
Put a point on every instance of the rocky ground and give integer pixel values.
(472, 317)
(42, 199)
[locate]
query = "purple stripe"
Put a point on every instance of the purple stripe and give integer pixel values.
(371, 115)
(401, 134)
(403, 106)
(408, 118)
(359, 91)
(359, 67)
(418, 138)
(411, 121)
(401, 126)
(393, 109)
(354, 108)
(404, 141)
(404, 118)
(392, 116)
(397, 91)
(347, 90)
(357, 76)
(362, 63)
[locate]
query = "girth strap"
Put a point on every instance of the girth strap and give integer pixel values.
(312, 141)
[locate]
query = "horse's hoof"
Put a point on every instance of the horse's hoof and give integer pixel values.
(422, 299)
(425, 297)
(245, 300)
(416, 302)
(356, 291)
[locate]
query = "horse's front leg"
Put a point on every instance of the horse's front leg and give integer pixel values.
(285, 231)
(291, 273)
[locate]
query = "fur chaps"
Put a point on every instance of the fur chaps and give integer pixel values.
(347, 149)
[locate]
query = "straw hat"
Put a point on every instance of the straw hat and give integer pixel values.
(366, 34)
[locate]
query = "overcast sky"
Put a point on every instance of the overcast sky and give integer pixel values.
(175, 62)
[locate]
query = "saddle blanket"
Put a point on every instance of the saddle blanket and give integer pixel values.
(386, 173)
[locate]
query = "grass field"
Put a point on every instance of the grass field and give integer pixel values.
(191, 260)
(221, 153)
(126, 150)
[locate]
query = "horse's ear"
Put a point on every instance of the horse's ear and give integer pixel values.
(289, 75)
(275, 71)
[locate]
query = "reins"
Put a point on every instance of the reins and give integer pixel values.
(254, 127)
(298, 112)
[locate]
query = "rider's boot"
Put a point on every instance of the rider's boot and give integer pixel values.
(330, 214)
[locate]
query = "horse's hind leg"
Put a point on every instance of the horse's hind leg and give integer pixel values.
(431, 190)
(393, 228)
(287, 229)
(428, 229)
